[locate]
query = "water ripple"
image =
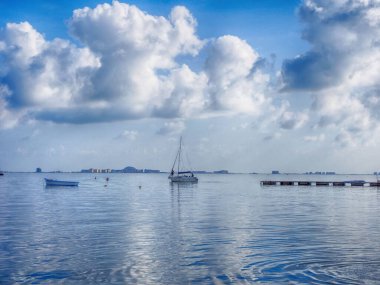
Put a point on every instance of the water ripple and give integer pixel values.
(224, 230)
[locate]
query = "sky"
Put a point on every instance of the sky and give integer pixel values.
(252, 86)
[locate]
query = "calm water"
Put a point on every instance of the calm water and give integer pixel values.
(225, 230)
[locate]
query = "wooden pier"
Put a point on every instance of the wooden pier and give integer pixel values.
(358, 183)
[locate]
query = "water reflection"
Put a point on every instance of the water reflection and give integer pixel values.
(183, 185)
(224, 230)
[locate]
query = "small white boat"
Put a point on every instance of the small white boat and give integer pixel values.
(53, 182)
(181, 175)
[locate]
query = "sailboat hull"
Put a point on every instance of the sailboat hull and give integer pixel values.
(179, 178)
(53, 182)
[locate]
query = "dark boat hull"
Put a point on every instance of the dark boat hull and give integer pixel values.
(53, 182)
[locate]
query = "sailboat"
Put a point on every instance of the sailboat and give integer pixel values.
(181, 175)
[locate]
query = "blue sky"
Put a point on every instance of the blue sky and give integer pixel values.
(251, 85)
(262, 22)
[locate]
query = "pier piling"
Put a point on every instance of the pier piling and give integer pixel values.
(320, 183)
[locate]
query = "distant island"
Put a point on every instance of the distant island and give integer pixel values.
(128, 169)
(309, 173)
(131, 169)
(211, 172)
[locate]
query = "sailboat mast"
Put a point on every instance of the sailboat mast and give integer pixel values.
(175, 160)
(179, 152)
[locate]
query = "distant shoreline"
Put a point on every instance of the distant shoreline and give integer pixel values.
(200, 172)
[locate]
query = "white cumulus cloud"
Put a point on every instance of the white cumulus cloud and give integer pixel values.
(234, 83)
(128, 67)
(342, 68)
(37, 74)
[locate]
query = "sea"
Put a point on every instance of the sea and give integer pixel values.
(227, 229)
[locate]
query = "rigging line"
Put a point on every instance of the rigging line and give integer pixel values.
(179, 152)
(175, 159)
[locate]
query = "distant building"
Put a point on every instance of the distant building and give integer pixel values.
(275, 172)
(95, 170)
(38, 170)
(330, 173)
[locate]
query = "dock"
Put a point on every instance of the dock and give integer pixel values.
(358, 183)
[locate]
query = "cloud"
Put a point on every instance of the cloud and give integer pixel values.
(39, 73)
(128, 67)
(286, 118)
(345, 139)
(234, 82)
(29, 137)
(341, 69)
(290, 120)
(128, 135)
(317, 138)
(273, 136)
(134, 49)
(344, 38)
(83, 114)
(353, 122)
(311, 71)
(172, 128)
(8, 118)
(186, 94)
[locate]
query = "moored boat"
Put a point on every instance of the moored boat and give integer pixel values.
(181, 175)
(184, 176)
(53, 182)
